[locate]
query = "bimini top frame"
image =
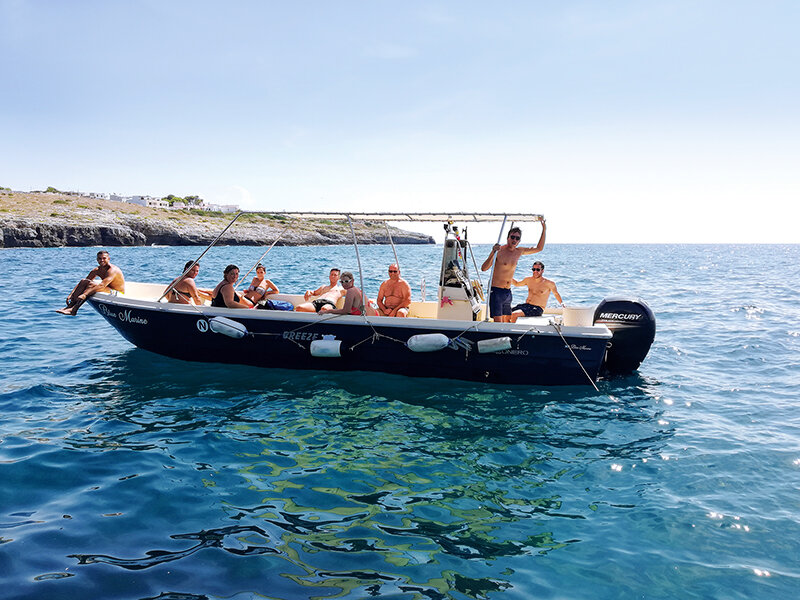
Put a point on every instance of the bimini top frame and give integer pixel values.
(376, 216)
(420, 217)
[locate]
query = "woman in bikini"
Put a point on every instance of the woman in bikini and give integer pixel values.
(224, 295)
(261, 287)
(185, 290)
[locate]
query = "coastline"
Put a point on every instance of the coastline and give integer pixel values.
(49, 220)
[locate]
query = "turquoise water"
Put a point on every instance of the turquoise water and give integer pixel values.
(127, 475)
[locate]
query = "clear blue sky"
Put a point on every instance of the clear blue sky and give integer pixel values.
(621, 121)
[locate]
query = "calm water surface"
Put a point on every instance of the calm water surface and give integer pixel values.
(127, 475)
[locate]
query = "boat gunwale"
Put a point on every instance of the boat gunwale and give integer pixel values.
(413, 323)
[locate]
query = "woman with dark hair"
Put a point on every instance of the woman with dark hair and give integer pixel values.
(260, 287)
(184, 289)
(224, 295)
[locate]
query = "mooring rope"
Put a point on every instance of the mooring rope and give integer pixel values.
(558, 329)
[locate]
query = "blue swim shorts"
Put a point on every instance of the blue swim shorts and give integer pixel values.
(500, 302)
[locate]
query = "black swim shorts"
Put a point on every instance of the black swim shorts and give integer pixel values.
(320, 302)
(530, 310)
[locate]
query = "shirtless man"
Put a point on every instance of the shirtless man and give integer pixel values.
(394, 297)
(327, 295)
(110, 279)
(354, 300)
(507, 257)
(539, 290)
(185, 290)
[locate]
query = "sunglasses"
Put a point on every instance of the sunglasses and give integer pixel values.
(535, 269)
(393, 271)
(514, 237)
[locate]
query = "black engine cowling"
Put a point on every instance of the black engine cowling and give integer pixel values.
(633, 326)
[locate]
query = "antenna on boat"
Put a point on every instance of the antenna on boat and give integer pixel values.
(396, 260)
(360, 272)
(197, 260)
(491, 275)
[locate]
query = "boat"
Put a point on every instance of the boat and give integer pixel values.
(450, 337)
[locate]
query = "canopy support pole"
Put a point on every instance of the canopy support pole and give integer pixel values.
(396, 260)
(197, 260)
(491, 275)
(260, 258)
(360, 270)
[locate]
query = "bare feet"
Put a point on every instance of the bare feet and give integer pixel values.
(67, 310)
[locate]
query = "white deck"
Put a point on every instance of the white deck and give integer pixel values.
(138, 292)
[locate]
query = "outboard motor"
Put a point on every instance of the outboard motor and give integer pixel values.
(633, 326)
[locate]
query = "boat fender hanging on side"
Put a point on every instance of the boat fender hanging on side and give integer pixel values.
(229, 327)
(326, 348)
(494, 345)
(427, 342)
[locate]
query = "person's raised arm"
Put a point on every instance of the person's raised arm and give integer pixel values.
(487, 264)
(540, 246)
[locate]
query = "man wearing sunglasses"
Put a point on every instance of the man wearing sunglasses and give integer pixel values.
(508, 256)
(394, 296)
(539, 290)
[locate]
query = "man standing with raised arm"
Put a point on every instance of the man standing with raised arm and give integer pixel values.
(508, 256)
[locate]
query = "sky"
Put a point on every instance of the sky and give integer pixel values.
(620, 121)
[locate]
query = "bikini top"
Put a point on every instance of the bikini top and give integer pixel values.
(257, 288)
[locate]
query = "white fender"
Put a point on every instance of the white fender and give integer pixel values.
(427, 342)
(326, 348)
(228, 327)
(494, 345)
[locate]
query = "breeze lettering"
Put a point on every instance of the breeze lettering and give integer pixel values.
(300, 335)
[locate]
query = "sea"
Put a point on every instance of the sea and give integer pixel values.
(124, 474)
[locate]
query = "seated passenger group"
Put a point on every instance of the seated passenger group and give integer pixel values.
(394, 297)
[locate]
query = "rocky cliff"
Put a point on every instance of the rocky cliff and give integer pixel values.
(43, 220)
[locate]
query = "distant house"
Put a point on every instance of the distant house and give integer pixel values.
(223, 208)
(178, 205)
(148, 201)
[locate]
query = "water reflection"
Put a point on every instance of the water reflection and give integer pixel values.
(423, 489)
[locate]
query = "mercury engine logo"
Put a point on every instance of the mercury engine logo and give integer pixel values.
(609, 316)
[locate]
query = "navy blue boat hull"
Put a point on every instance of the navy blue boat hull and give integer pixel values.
(535, 358)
